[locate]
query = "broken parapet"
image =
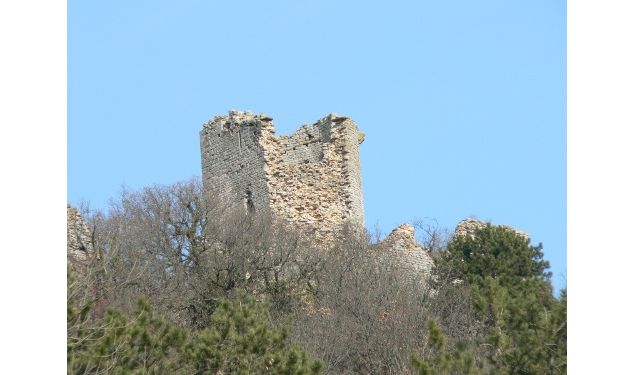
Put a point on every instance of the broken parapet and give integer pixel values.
(79, 246)
(310, 178)
(468, 227)
(406, 252)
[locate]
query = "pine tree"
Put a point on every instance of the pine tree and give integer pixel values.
(511, 289)
(443, 362)
(497, 252)
(115, 344)
(242, 340)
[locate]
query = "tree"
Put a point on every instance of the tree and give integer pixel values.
(185, 252)
(365, 314)
(243, 340)
(512, 291)
(355, 308)
(458, 361)
(149, 239)
(557, 338)
(498, 252)
(145, 344)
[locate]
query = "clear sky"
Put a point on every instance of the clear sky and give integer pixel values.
(463, 102)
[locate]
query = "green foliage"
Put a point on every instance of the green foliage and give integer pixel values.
(362, 317)
(557, 338)
(497, 252)
(519, 334)
(242, 340)
(145, 344)
(526, 326)
(444, 362)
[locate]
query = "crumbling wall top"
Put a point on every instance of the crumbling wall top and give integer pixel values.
(235, 118)
(238, 118)
(403, 237)
(406, 252)
(469, 226)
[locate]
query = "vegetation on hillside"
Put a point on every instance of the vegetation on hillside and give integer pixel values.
(185, 285)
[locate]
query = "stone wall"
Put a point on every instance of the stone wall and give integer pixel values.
(408, 254)
(233, 160)
(79, 246)
(468, 227)
(310, 178)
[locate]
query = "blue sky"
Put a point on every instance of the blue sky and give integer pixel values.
(463, 103)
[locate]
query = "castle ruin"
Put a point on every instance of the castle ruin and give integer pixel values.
(310, 178)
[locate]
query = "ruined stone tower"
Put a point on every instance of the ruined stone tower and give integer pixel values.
(310, 178)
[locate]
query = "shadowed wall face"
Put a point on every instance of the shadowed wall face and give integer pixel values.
(232, 160)
(310, 178)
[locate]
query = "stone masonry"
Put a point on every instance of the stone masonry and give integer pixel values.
(410, 256)
(468, 227)
(310, 178)
(79, 247)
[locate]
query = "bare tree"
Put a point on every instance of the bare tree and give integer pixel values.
(183, 251)
(433, 237)
(366, 316)
(352, 305)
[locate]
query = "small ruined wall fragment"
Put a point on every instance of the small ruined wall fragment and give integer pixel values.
(468, 227)
(406, 252)
(79, 246)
